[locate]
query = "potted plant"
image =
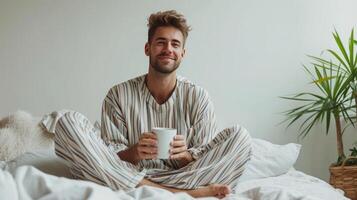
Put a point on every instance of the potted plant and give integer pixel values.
(335, 102)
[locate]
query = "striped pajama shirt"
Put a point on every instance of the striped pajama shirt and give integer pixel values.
(129, 110)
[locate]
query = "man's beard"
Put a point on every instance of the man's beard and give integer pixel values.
(165, 69)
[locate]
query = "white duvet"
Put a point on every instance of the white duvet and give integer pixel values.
(292, 185)
(27, 183)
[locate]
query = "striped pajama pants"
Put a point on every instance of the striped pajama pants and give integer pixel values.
(89, 158)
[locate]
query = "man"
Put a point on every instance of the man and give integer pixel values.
(202, 162)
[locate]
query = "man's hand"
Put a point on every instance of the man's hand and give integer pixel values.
(146, 148)
(178, 150)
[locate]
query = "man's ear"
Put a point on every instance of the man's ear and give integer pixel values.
(147, 49)
(183, 53)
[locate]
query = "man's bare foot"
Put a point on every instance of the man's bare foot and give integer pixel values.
(214, 190)
(220, 191)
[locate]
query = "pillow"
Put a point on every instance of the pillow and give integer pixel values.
(19, 133)
(45, 160)
(270, 159)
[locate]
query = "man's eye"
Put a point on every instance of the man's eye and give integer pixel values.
(175, 45)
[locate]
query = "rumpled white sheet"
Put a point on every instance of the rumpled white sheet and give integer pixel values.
(292, 185)
(27, 183)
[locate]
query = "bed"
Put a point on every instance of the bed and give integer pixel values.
(35, 172)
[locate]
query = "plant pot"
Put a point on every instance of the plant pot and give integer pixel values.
(345, 178)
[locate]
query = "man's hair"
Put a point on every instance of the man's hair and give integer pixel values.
(167, 18)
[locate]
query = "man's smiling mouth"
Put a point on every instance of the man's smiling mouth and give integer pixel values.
(166, 58)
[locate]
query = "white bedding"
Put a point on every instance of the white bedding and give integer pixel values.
(266, 176)
(292, 185)
(27, 182)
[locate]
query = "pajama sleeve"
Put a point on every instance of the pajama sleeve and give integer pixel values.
(204, 126)
(113, 125)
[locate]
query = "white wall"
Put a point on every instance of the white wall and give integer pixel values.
(67, 54)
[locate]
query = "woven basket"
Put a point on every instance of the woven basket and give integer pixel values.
(345, 178)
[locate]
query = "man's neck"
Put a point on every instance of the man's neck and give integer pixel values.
(160, 85)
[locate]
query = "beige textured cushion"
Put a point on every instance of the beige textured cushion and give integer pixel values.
(20, 133)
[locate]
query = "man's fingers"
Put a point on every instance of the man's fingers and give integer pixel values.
(148, 135)
(147, 156)
(147, 142)
(179, 137)
(147, 150)
(178, 150)
(178, 143)
(178, 156)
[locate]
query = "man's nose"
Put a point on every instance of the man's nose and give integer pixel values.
(168, 48)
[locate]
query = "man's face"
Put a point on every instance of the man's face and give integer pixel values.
(165, 50)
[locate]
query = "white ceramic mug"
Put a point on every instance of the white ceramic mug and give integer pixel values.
(164, 137)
